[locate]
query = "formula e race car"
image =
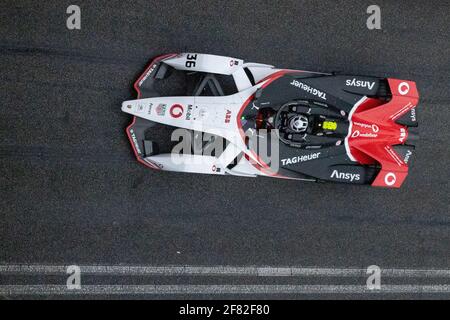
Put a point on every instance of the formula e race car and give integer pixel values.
(212, 114)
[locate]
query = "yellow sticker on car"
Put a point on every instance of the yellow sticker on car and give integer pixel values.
(329, 125)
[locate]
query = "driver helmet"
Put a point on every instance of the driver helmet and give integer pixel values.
(298, 123)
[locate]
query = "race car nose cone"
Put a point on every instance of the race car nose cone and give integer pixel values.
(127, 106)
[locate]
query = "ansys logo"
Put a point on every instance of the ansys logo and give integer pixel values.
(359, 83)
(345, 176)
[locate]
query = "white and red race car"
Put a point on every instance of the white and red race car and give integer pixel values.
(212, 114)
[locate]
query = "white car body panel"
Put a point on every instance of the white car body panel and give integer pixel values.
(205, 63)
(206, 114)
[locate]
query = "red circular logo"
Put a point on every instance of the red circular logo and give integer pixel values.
(176, 110)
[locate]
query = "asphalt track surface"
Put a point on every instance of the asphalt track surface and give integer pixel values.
(72, 192)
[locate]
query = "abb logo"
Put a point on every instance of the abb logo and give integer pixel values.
(228, 116)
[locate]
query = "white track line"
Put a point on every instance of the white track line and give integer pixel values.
(215, 289)
(139, 270)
